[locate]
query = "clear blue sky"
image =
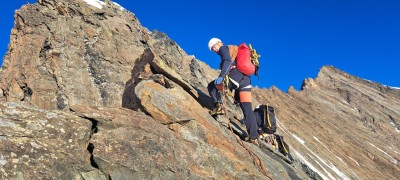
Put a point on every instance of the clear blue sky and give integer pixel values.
(295, 38)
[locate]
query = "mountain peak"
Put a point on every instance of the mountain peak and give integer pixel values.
(86, 78)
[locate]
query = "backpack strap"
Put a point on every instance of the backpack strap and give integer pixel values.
(268, 116)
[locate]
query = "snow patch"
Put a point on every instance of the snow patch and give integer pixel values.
(323, 168)
(340, 159)
(394, 125)
(3, 161)
(343, 103)
(281, 126)
(332, 167)
(96, 3)
(318, 159)
(120, 7)
(394, 87)
(393, 160)
(368, 80)
(337, 171)
(298, 139)
(298, 155)
(323, 144)
(354, 161)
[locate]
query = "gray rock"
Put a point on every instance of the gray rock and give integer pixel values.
(95, 174)
(30, 150)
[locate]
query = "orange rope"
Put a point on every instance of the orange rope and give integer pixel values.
(257, 159)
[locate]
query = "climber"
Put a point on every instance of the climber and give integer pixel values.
(236, 81)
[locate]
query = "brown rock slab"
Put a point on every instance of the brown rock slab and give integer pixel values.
(168, 105)
(130, 144)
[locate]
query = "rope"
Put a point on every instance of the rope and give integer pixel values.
(256, 159)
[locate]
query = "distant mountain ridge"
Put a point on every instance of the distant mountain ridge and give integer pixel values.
(87, 92)
(351, 122)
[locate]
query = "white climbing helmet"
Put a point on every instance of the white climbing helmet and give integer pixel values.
(212, 42)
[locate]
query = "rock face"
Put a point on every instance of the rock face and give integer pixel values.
(346, 127)
(88, 93)
(41, 143)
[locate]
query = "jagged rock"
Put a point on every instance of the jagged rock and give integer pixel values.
(17, 94)
(134, 146)
(131, 144)
(95, 63)
(162, 66)
(84, 56)
(352, 123)
(108, 75)
(36, 143)
(168, 105)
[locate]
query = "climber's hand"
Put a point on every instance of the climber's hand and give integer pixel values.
(218, 80)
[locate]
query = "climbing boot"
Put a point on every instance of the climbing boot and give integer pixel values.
(218, 110)
(271, 140)
(255, 142)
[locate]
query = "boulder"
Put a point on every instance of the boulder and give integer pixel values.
(132, 145)
(168, 105)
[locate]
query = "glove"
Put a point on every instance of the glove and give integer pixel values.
(219, 80)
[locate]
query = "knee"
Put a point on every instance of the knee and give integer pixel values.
(245, 96)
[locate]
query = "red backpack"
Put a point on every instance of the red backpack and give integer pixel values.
(243, 60)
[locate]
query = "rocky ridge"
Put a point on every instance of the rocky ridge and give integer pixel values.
(346, 127)
(88, 93)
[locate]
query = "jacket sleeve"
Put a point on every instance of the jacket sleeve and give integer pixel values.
(226, 61)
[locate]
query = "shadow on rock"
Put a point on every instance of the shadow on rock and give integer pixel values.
(141, 70)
